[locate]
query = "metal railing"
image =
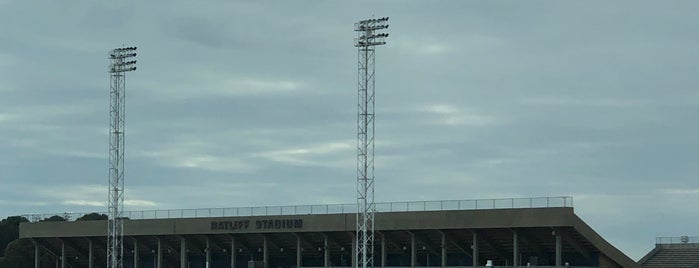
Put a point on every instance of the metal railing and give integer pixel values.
(495, 266)
(409, 206)
(677, 240)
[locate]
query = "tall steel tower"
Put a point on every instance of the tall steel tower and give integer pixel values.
(120, 64)
(366, 41)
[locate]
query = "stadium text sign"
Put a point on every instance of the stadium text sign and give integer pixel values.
(259, 224)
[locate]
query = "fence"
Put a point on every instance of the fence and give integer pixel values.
(677, 240)
(443, 205)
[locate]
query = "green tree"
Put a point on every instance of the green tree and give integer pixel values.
(92, 217)
(54, 218)
(9, 231)
(19, 253)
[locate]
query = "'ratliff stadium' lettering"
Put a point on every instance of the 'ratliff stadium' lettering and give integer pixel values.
(259, 224)
(230, 225)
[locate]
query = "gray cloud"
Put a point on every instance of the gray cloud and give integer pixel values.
(253, 103)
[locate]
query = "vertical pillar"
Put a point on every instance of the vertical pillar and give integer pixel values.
(183, 253)
(474, 247)
(63, 254)
(90, 254)
(265, 253)
(135, 253)
(559, 248)
(36, 254)
(159, 260)
(208, 252)
(444, 249)
(233, 252)
(413, 250)
(383, 250)
(515, 248)
(299, 251)
(354, 251)
(326, 251)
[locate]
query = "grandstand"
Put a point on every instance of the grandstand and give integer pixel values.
(540, 232)
(676, 252)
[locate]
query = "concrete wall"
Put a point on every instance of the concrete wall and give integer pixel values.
(395, 221)
(606, 262)
(429, 220)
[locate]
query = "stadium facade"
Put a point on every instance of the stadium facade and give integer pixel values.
(504, 232)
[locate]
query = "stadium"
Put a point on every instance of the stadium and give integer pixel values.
(515, 232)
(540, 232)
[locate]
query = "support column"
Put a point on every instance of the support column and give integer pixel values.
(299, 251)
(135, 253)
(208, 252)
(413, 250)
(159, 260)
(383, 250)
(63, 254)
(474, 247)
(90, 254)
(183, 253)
(265, 252)
(36, 254)
(354, 251)
(444, 249)
(233, 252)
(559, 248)
(515, 248)
(326, 251)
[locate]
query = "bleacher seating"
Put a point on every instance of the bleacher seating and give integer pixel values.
(672, 256)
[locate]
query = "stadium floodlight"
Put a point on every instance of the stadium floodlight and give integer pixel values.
(366, 41)
(121, 63)
(366, 29)
(118, 57)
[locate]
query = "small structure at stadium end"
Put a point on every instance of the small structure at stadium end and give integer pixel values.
(677, 252)
(535, 232)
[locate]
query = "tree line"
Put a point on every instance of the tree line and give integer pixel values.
(16, 252)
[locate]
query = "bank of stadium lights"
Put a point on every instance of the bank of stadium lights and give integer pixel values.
(118, 57)
(121, 62)
(367, 39)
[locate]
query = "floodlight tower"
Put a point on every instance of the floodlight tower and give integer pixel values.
(366, 42)
(121, 62)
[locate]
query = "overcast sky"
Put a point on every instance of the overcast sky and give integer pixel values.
(248, 103)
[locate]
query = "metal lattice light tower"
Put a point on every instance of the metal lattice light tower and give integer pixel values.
(366, 41)
(120, 64)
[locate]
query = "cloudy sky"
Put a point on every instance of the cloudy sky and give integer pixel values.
(246, 103)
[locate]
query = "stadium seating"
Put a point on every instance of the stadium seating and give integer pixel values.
(675, 256)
